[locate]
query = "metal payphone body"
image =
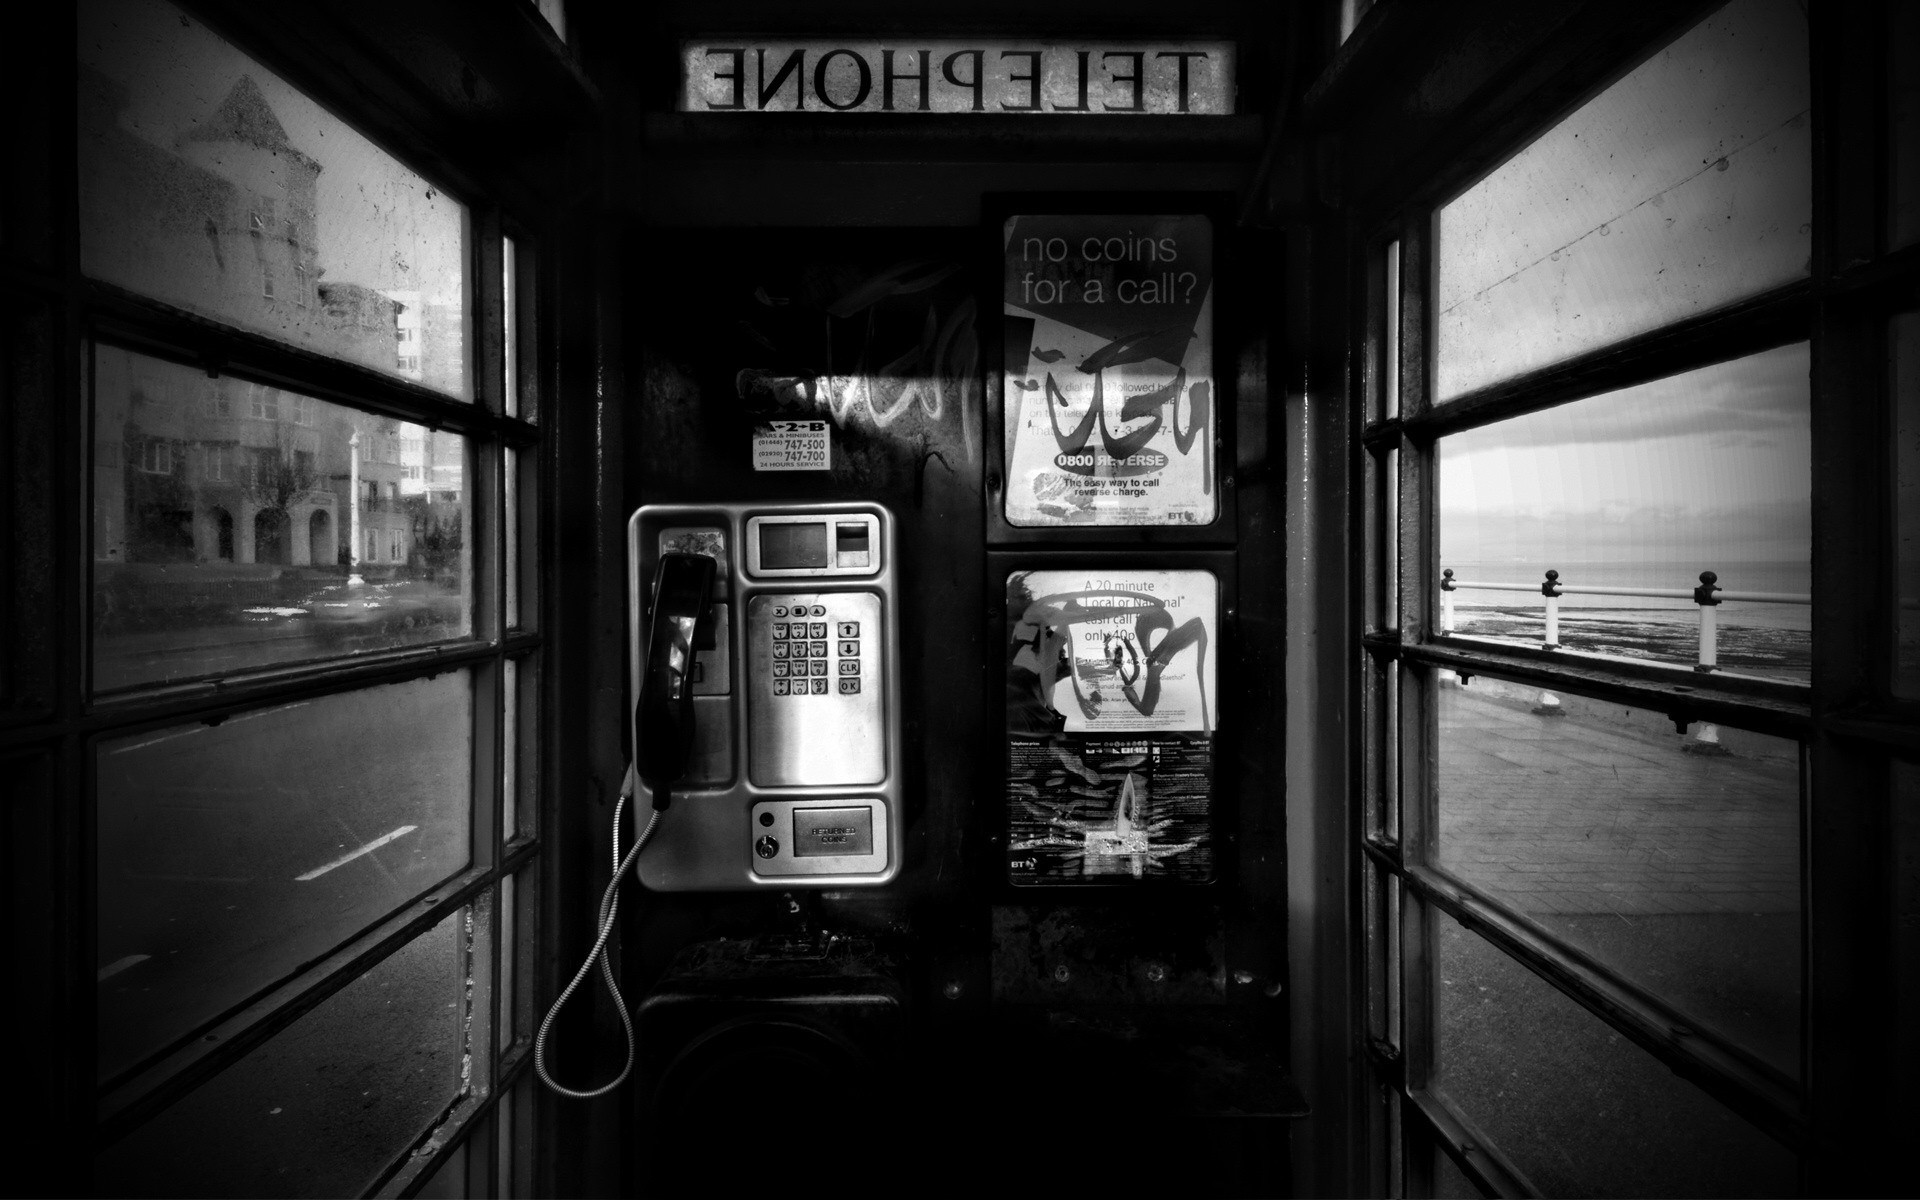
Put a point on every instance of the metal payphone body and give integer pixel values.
(795, 774)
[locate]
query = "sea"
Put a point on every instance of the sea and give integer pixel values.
(1757, 638)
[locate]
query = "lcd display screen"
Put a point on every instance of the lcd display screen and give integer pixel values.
(790, 547)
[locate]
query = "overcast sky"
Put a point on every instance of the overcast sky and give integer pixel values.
(1713, 463)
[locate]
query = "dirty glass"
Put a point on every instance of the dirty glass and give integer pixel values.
(231, 854)
(1681, 188)
(1672, 858)
(1629, 496)
(1449, 1180)
(324, 1107)
(237, 525)
(1572, 1103)
(209, 183)
(1905, 336)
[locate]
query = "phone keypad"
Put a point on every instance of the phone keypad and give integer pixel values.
(801, 650)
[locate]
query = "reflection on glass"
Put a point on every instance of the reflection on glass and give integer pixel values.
(1903, 124)
(1672, 858)
(1905, 385)
(236, 525)
(326, 1105)
(1644, 489)
(207, 182)
(230, 855)
(1684, 186)
(1574, 1105)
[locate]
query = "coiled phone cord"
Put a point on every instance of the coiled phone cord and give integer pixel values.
(609, 910)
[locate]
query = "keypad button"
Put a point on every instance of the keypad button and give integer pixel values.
(779, 649)
(849, 687)
(801, 649)
(849, 629)
(779, 631)
(819, 629)
(819, 667)
(819, 687)
(779, 687)
(819, 649)
(850, 649)
(820, 610)
(848, 666)
(779, 610)
(799, 687)
(779, 670)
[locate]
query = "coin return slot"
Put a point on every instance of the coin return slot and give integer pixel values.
(852, 544)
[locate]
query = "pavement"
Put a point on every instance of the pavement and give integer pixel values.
(1605, 810)
(1676, 868)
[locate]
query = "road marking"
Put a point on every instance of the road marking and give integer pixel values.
(156, 741)
(344, 859)
(119, 965)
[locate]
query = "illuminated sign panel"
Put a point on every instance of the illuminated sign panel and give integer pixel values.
(1194, 78)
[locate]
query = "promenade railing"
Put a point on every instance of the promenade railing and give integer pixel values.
(1708, 596)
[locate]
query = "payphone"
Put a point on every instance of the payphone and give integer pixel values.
(764, 687)
(793, 773)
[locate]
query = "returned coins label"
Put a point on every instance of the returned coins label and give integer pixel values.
(792, 446)
(831, 832)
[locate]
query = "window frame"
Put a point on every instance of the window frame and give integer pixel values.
(1846, 719)
(106, 315)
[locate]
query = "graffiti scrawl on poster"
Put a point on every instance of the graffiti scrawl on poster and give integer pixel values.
(1111, 651)
(1110, 404)
(1110, 718)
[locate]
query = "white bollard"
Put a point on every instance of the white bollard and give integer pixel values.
(1551, 590)
(1709, 623)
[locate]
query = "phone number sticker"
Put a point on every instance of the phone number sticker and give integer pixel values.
(792, 446)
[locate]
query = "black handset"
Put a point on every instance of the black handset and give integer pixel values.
(682, 619)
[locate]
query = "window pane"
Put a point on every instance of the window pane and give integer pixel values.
(1905, 334)
(1643, 489)
(509, 328)
(1672, 858)
(209, 183)
(232, 854)
(236, 525)
(510, 528)
(1390, 367)
(1684, 186)
(1579, 1109)
(324, 1107)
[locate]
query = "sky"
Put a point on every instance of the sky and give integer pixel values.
(1714, 463)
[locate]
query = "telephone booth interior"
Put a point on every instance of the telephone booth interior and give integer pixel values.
(1258, 599)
